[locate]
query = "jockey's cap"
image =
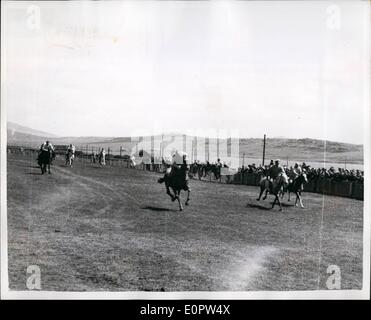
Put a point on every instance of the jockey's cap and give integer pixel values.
(277, 160)
(179, 156)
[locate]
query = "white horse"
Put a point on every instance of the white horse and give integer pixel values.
(273, 188)
(296, 187)
(70, 157)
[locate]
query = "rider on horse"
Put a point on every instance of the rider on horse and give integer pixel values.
(176, 178)
(180, 164)
(46, 146)
(71, 149)
(70, 154)
(45, 156)
(275, 170)
(295, 173)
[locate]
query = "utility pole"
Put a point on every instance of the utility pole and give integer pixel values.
(162, 148)
(243, 159)
(264, 150)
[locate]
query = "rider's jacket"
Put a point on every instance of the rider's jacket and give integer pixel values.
(71, 149)
(275, 171)
(46, 147)
(175, 167)
(295, 172)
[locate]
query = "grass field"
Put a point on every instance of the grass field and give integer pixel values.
(90, 228)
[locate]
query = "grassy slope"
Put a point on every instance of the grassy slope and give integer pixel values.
(92, 228)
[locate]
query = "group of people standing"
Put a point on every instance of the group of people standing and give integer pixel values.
(340, 174)
(274, 169)
(203, 169)
(100, 157)
(47, 146)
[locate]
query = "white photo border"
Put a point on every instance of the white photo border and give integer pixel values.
(363, 294)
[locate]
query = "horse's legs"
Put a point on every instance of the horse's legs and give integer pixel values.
(173, 197)
(261, 192)
(300, 200)
(49, 168)
(277, 199)
(274, 202)
(297, 198)
(188, 194)
(177, 196)
(266, 193)
(289, 197)
(282, 192)
(279, 202)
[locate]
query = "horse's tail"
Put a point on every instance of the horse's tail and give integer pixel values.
(161, 180)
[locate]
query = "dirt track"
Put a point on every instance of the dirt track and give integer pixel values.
(93, 228)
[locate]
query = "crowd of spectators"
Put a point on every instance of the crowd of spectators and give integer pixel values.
(339, 174)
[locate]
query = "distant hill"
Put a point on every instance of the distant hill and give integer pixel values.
(303, 150)
(306, 149)
(24, 136)
(14, 128)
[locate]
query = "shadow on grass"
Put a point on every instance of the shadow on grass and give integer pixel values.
(286, 205)
(153, 208)
(258, 206)
(32, 166)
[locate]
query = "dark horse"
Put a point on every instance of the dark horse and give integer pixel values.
(273, 188)
(296, 187)
(45, 159)
(176, 178)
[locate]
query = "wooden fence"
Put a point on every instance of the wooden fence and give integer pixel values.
(326, 186)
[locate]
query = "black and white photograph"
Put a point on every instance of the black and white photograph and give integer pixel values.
(185, 150)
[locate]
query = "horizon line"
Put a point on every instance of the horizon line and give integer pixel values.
(56, 136)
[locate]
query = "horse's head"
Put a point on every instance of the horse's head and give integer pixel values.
(283, 179)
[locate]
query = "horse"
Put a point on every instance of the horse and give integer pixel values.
(70, 158)
(45, 159)
(296, 187)
(273, 188)
(175, 178)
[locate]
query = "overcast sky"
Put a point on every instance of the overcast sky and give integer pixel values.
(293, 69)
